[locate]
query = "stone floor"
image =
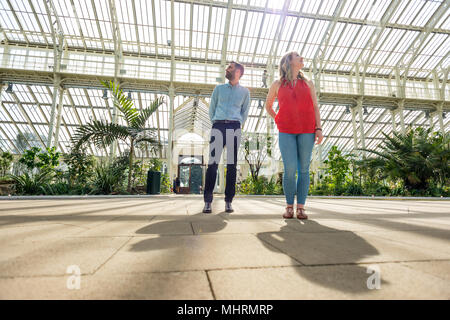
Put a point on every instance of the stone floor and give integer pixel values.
(163, 247)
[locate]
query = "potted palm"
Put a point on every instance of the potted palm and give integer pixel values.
(134, 132)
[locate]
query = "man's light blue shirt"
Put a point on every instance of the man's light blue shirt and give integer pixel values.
(229, 103)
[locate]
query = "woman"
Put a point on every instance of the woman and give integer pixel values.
(298, 121)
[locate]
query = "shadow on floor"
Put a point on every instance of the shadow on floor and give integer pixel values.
(216, 222)
(386, 221)
(307, 243)
(317, 246)
(78, 215)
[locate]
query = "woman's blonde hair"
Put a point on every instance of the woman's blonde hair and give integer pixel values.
(286, 71)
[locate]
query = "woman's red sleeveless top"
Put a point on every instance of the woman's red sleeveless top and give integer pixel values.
(296, 113)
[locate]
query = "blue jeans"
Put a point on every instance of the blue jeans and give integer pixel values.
(296, 151)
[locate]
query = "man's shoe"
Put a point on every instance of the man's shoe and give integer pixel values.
(207, 208)
(228, 207)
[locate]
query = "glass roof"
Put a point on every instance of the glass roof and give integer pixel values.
(374, 38)
(145, 27)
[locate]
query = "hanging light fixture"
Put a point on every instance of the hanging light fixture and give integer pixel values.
(347, 109)
(365, 111)
(105, 94)
(129, 95)
(10, 88)
(427, 114)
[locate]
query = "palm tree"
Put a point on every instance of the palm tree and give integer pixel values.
(416, 157)
(133, 133)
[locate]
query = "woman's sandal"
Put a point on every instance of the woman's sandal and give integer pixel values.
(301, 214)
(289, 214)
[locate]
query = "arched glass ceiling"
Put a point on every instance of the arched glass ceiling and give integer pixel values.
(380, 41)
(258, 30)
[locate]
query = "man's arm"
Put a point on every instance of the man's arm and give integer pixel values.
(213, 104)
(245, 107)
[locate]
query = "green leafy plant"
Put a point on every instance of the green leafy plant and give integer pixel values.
(80, 167)
(44, 160)
(353, 189)
(57, 189)
(338, 168)
(32, 183)
(155, 164)
(108, 178)
(6, 159)
(134, 132)
(261, 186)
(165, 183)
(139, 174)
(417, 158)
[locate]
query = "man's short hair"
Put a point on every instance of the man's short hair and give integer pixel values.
(239, 66)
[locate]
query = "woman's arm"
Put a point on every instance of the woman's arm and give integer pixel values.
(319, 134)
(271, 96)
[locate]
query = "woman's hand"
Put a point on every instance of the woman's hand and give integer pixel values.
(318, 137)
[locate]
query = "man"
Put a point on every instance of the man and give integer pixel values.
(264, 79)
(228, 111)
(177, 184)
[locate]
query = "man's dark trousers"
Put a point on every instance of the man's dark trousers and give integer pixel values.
(215, 152)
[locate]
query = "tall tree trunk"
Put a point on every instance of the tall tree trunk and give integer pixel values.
(130, 170)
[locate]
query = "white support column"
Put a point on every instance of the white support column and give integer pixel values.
(223, 59)
(355, 133)
(58, 45)
(430, 119)
(171, 163)
(361, 126)
(359, 84)
(56, 85)
(439, 112)
(118, 64)
(59, 116)
(441, 94)
(400, 109)
(394, 123)
(444, 84)
(269, 120)
(316, 76)
(400, 87)
(113, 146)
(6, 56)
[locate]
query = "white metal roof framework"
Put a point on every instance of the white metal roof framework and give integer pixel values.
(378, 65)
